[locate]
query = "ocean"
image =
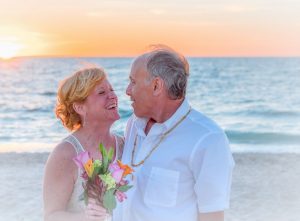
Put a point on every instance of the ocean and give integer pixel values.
(255, 100)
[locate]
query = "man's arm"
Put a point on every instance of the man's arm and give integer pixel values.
(214, 216)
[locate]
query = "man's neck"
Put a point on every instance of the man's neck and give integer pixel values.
(162, 113)
(166, 110)
(149, 125)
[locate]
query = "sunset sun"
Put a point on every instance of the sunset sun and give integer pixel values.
(9, 49)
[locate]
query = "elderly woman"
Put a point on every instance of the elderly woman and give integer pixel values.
(87, 106)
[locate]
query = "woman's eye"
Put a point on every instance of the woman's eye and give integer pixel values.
(101, 92)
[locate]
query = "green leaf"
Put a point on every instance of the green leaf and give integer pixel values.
(86, 199)
(109, 200)
(97, 170)
(104, 158)
(103, 151)
(108, 180)
(124, 188)
(84, 196)
(110, 154)
(105, 165)
(81, 196)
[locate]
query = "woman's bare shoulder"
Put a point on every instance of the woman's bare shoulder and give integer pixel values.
(62, 155)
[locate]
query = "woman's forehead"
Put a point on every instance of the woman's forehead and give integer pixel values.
(103, 84)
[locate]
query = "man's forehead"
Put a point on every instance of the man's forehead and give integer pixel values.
(140, 61)
(137, 67)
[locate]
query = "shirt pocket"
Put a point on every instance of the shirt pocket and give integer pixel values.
(162, 187)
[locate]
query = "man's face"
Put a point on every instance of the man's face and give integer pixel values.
(140, 90)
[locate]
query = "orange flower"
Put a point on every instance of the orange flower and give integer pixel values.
(127, 169)
(89, 167)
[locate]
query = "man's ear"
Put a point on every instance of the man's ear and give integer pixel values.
(158, 86)
(79, 108)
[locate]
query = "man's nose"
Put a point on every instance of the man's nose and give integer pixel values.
(128, 90)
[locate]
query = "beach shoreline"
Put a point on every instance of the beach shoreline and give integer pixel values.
(265, 187)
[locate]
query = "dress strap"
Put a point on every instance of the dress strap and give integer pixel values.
(75, 143)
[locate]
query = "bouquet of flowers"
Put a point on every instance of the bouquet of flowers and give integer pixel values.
(103, 179)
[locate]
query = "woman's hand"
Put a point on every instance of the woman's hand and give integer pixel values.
(95, 211)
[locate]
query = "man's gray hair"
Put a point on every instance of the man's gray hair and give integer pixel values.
(171, 67)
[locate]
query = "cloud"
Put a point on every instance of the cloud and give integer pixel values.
(157, 11)
(97, 14)
(239, 8)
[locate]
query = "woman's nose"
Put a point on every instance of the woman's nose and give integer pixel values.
(112, 95)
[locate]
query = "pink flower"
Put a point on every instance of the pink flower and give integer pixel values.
(117, 175)
(120, 196)
(116, 172)
(123, 182)
(113, 166)
(85, 176)
(81, 159)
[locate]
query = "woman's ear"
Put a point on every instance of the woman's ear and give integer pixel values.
(79, 108)
(158, 86)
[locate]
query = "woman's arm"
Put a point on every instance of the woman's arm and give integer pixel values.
(60, 176)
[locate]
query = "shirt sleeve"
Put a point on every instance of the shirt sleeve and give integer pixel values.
(212, 164)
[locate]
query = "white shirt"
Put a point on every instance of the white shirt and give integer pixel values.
(189, 172)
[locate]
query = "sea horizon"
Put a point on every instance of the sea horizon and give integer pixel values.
(254, 99)
(134, 56)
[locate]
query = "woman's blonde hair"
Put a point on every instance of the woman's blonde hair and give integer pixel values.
(75, 89)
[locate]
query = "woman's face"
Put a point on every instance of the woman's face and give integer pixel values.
(102, 104)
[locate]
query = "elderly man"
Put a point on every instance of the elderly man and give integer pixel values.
(182, 161)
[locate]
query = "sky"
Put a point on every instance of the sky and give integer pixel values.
(126, 27)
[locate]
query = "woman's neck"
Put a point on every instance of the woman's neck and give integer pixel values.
(91, 137)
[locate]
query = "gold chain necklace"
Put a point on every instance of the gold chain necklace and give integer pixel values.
(154, 148)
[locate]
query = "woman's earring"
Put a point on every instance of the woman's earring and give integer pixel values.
(84, 120)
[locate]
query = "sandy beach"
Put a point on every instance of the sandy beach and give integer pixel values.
(266, 187)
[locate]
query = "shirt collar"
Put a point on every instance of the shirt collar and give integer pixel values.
(140, 125)
(180, 112)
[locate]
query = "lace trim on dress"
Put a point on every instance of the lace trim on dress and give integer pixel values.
(75, 143)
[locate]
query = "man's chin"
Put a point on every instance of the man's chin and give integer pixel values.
(137, 113)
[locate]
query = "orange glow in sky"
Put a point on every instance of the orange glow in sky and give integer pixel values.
(125, 28)
(8, 49)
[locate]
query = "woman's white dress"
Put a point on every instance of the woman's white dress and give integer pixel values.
(76, 205)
